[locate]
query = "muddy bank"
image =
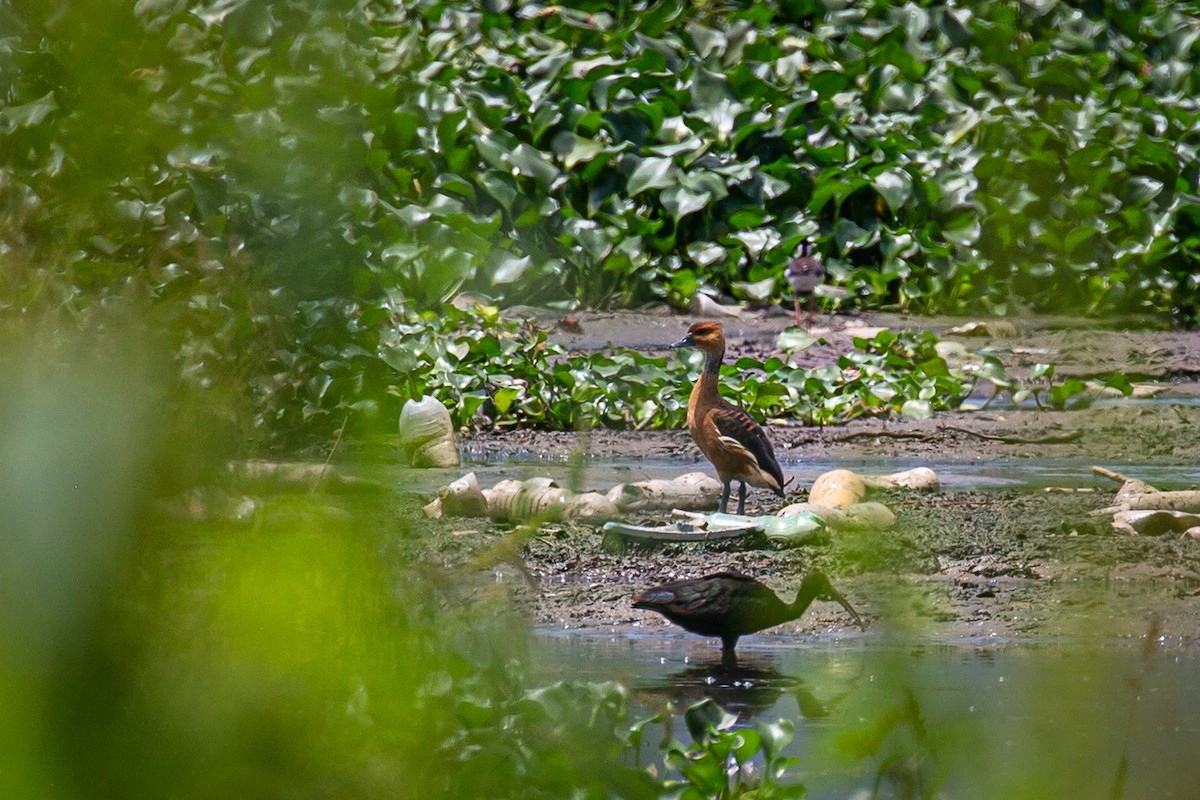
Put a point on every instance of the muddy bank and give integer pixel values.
(977, 564)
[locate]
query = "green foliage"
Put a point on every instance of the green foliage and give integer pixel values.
(269, 181)
(944, 158)
(727, 762)
(1041, 378)
(490, 372)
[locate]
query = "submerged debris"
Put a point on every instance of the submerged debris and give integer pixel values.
(427, 434)
(1139, 508)
(543, 498)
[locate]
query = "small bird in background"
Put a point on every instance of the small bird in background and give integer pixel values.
(804, 274)
(727, 435)
(730, 605)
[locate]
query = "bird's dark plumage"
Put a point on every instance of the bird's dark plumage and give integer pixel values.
(729, 605)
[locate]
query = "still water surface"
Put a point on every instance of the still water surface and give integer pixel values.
(979, 719)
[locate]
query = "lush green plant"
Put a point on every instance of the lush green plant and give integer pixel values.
(489, 372)
(728, 762)
(943, 157)
(268, 180)
(1041, 378)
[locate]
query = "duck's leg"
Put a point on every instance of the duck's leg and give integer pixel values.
(796, 307)
(742, 498)
(809, 320)
(721, 506)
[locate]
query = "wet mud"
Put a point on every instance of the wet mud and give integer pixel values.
(1027, 563)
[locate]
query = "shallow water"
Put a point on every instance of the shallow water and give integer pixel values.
(986, 718)
(603, 473)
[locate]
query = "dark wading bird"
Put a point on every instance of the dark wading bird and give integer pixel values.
(730, 605)
(804, 274)
(725, 433)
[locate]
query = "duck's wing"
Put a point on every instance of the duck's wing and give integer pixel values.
(741, 434)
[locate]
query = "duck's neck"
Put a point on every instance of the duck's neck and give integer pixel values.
(706, 385)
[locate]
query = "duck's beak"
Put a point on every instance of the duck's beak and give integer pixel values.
(686, 341)
(837, 597)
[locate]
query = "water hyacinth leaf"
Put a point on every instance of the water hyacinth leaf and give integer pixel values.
(679, 201)
(756, 290)
(916, 409)
(895, 186)
(705, 254)
(507, 268)
(504, 397)
(1040, 371)
(1120, 383)
(27, 115)
(706, 716)
(793, 339)
(573, 149)
(748, 217)
(1140, 190)
(449, 182)
(1062, 392)
(530, 162)
(992, 370)
(850, 236)
(757, 241)
(776, 736)
(651, 173)
(500, 187)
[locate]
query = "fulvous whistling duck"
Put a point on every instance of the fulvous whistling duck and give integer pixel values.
(804, 273)
(730, 605)
(725, 433)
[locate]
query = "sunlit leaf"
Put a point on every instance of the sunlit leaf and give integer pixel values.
(651, 173)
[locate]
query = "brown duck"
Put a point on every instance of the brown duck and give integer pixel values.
(730, 605)
(727, 435)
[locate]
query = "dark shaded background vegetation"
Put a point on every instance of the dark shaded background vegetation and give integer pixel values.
(278, 185)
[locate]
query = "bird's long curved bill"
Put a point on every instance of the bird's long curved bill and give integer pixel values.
(839, 598)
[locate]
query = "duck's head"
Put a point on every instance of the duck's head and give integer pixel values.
(706, 336)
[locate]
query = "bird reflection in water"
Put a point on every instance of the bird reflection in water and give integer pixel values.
(747, 687)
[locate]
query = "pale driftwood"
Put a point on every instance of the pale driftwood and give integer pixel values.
(463, 498)
(1187, 500)
(1105, 472)
(1137, 495)
(1154, 523)
(705, 306)
(1139, 508)
(516, 501)
(589, 507)
(694, 491)
(916, 478)
(300, 475)
(427, 434)
(838, 488)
